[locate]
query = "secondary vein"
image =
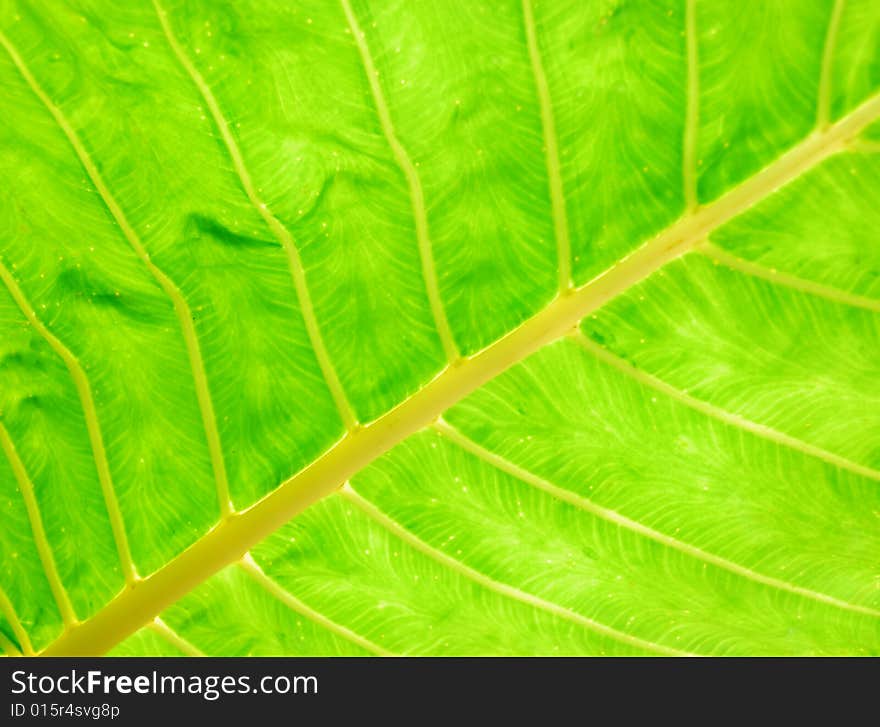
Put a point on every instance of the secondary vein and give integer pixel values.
(231, 538)
(173, 638)
(294, 261)
(734, 420)
(181, 307)
(865, 146)
(8, 646)
(498, 462)
(504, 589)
(7, 610)
(250, 566)
(417, 195)
(551, 151)
(44, 549)
(754, 269)
(823, 110)
(692, 108)
(93, 426)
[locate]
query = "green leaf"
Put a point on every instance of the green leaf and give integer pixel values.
(460, 327)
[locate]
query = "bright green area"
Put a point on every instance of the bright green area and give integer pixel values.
(595, 432)
(231, 614)
(856, 62)
(799, 363)
(760, 68)
(700, 472)
(821, 228)
(617, 76)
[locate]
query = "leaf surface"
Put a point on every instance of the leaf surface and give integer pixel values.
(443, 328)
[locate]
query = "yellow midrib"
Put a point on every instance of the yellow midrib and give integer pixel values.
(226, 543)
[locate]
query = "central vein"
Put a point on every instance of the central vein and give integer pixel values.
(233, 537)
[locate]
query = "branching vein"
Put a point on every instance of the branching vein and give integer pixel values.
(734, 420)
(692, 108)
(297, 271)
(865, 146)
(8, 646)
(172, 637)
(44, 549)
(181, 307)
(551, 151)
(230, 539)
(93, 427)
(748, 267)
(823, 112)
(249, 565)
(417, 196)
(374, 513)
(8, 612)
(560, 493)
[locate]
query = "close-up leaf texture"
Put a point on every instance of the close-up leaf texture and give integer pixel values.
(440, 327)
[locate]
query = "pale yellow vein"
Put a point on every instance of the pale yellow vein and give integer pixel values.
(719, 255)
(181, 307)
(8, 612)
(582, 503)
(250, 566)
(823, 110)
(504, 589)
(551, 151)
(864, 146)
(734, 420)
(692, 108)
(44, 549)
(297, 271)
(417, 195)
(157, 625)
(93, 427)
(226, 542)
